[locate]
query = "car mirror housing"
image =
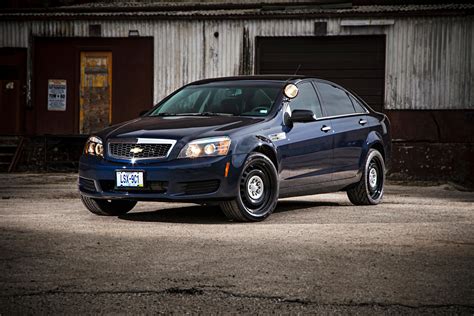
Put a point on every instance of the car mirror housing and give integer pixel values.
(302, 116)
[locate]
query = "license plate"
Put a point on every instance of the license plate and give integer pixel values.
(129, 179)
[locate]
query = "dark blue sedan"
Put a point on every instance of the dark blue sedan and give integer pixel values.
(242, 143)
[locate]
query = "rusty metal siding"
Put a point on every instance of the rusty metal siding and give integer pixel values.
(429, 60)
(430, 64)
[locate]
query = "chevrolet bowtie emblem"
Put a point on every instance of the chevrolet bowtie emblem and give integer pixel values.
(136, 150)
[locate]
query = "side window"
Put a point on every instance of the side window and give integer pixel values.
(306, 99)
(336, 101)
(357, 106)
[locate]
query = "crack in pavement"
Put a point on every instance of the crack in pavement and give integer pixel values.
(192, 291)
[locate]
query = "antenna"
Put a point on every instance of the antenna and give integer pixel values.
(297, 69)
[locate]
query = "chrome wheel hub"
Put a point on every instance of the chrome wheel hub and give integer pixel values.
(255, 187)
(373, 177)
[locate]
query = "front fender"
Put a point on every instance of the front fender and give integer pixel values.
(258, 143)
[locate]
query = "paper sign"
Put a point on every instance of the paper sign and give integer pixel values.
(56, 95)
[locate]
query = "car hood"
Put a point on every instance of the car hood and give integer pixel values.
(179, 127)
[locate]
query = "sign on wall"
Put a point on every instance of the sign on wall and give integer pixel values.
(56, 95)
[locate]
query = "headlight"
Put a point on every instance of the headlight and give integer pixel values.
(94, 147)
(206, 147)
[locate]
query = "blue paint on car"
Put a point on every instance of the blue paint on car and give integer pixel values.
(242, 143)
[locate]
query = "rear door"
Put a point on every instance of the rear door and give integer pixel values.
(350, 130)
(307, 149)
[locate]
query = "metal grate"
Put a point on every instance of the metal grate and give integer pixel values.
(200, 187)
(138, 151)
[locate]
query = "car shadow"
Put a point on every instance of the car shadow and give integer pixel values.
(210, 214)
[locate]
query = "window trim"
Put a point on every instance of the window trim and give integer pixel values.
(339, 116)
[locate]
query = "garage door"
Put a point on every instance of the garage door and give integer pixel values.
(355, 62)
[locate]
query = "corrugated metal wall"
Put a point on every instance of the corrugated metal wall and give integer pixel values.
(429, 61)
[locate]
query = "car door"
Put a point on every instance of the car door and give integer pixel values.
(307, 150)
(350, 130)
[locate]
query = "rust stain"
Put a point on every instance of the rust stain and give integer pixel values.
(96, 91)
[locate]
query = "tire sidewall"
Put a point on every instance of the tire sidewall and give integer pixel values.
(373, 153)
(274, 188)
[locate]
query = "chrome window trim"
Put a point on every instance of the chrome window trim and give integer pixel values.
(139, 141)
(339, 116)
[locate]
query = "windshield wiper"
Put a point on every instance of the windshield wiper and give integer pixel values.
(194, 114)
(165, 114)
(214, 114)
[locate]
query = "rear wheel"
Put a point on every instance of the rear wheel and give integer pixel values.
(369, 190)
(107, 207)
(258, 191)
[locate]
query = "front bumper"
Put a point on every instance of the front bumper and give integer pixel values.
(192, 180)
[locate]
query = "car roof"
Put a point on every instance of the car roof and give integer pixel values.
(278, 78)
(284, 78)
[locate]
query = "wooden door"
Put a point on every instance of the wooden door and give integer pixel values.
(95, 91)
(10, 106)
(12, 90)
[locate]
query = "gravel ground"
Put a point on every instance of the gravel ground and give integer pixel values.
(413, 254)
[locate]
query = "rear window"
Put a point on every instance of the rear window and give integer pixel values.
(359, 108)
(336, 101)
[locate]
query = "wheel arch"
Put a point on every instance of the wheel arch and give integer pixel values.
(379, 147)
(260, 144)
(269, 152)
(374, 140)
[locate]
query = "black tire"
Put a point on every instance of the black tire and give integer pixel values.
(107, 207)
(369, 190)
(258, 191)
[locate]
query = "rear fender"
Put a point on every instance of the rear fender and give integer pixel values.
(374, 139)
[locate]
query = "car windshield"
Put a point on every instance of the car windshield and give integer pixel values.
(222, 98)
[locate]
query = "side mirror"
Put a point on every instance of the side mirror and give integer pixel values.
(303, 116)
(143, 112)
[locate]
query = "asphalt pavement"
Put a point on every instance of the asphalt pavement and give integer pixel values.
(413, 254)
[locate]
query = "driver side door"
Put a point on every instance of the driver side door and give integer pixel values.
(307, 151)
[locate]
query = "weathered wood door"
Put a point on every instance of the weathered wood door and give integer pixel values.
(12, 90)
(96, 91)
(10, 106)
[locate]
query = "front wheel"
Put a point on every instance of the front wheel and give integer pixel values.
(369, 190)
(107, 207)
(258, 191)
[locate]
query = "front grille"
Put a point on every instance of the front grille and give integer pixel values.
(138, 151)
(87, 184)
(200, 187)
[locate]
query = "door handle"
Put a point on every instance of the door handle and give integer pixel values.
(362, 122)
(325, 128)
